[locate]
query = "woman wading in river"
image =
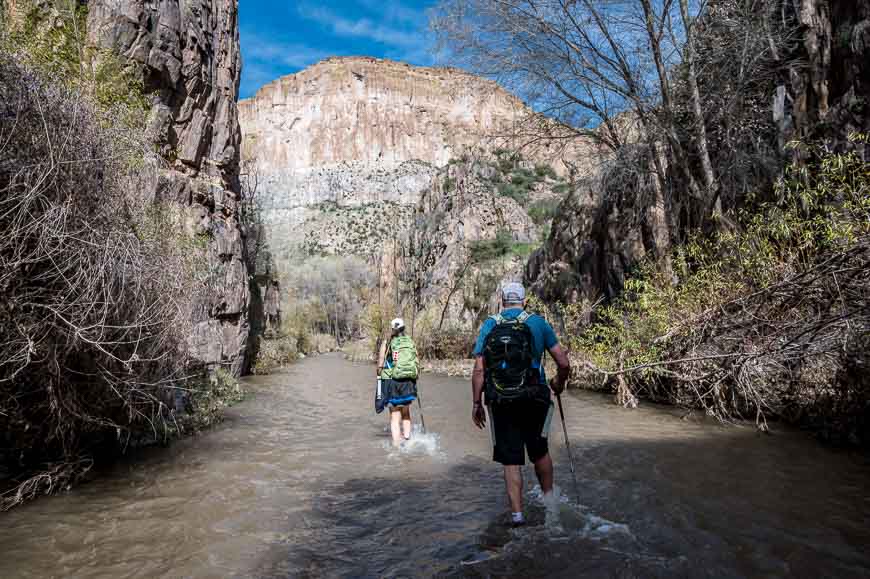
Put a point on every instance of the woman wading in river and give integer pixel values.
(398, 369)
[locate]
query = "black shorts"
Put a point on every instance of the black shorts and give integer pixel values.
(401, 392)
(518, 428)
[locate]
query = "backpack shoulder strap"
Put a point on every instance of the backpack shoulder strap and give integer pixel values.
(523, 317)
(497, 318)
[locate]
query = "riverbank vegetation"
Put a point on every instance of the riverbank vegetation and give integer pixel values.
(767, 320)
(323, 301)
(288, 317)
(97, 281)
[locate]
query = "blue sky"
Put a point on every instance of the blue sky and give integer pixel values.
(282, 37)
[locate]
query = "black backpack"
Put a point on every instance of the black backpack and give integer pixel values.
(509, 357)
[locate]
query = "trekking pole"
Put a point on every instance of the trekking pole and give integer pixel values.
(420, 404)
(568, 447)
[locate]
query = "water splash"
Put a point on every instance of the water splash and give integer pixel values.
(423, 443)
(564, 517)
(554, 522)
(420, 444)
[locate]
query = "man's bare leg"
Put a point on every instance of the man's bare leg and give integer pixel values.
(396, 425)
(513, 480)
(406, 421)
(544, 470)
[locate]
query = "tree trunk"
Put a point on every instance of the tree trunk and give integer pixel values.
(670, 129)
(452, 291)
(700, 126)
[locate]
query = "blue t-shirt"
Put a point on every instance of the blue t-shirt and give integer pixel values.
(543, 335)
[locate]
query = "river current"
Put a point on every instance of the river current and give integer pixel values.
(301, 481)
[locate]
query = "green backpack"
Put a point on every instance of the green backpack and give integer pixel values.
(404, 365)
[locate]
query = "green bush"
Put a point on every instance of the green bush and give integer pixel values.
(524, 178)
(561, 188)
(522, 249)
(543, 211)
(543, 171)
(520, 182)
(506, 160)
(207, 400)
(275, 353)
(515, 192)
(52, 40)
(486, 250)
(819, 211)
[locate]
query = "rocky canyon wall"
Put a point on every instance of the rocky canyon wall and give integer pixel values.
(824, 89)
(353, 132)
(188, 54)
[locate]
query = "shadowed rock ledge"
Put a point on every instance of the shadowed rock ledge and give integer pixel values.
(190, 61)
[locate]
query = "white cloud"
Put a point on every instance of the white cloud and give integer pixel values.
(398, 28)
(395, 11)
(361, 28)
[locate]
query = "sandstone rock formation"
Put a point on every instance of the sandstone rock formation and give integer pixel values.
(318, 207)
(189, 58)
(372, 111)
(453, 218)
(363, 131)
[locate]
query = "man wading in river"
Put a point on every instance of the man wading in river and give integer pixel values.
(398, 369)
(509, 368)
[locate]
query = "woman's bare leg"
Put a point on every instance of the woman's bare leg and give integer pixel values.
(395, 425)
(406, 421)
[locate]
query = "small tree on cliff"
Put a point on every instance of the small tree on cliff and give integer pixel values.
(417, 252)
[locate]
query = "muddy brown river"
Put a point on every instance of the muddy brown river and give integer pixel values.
(300, 481)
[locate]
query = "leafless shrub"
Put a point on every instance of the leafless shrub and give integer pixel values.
(95, 281)
(779, 351)
(447, 344)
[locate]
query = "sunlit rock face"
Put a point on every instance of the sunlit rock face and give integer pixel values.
(353, 133)
(374, 112)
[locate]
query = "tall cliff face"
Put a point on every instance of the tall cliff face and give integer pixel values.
(189, 58)
(372, 111)
(363, 135)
